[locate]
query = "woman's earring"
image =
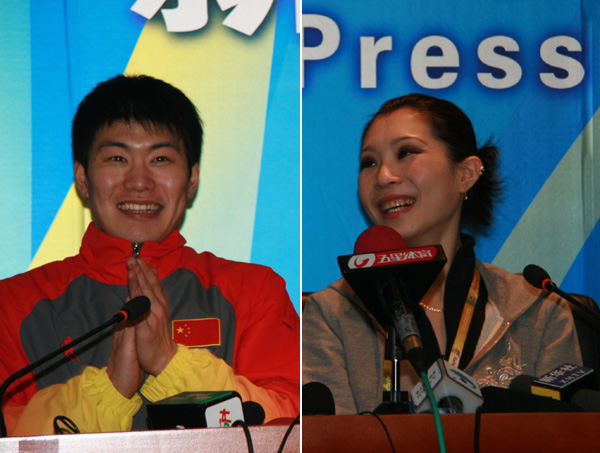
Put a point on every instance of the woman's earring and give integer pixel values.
(481, 170)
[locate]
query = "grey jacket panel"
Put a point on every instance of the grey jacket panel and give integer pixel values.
(87, 303)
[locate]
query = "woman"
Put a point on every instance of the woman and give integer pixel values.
(422, 174)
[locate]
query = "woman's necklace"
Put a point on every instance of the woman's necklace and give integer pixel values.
(433, 309)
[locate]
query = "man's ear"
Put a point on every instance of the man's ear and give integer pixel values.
(193, 182)
(470, 171)
(81, 180)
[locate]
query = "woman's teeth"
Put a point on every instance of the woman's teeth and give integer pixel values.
(396, 205)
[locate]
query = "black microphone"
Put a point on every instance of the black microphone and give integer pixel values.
(563, 389)
(254, 414)
(502, 400)
(317, 399)
(197, 409)
(133, 309)
(561, 383)
(522, 383)
(588, 400)
(538, 277)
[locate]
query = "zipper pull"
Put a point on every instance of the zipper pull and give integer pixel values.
(137, 248)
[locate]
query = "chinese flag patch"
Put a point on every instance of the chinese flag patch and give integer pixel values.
(197, 332)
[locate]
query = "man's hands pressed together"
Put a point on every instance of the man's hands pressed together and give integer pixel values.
(144, 345)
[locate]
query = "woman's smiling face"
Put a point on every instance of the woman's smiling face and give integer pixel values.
(407, 180)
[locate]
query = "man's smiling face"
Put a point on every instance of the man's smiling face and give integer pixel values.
(137, 181)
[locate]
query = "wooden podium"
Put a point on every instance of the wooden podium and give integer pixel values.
(502, 433)
(265, 439)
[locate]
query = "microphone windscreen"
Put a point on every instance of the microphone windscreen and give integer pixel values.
(254, 414)
(317, 399)
(136, 307)
(522, 383)
(535, 275)
(588, 400)
(379, 238)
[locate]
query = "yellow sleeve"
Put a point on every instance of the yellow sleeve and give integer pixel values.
(89, 400)
(199, 370)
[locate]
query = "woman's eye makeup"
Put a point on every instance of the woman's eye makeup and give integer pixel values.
(407, 151)
(366, 162)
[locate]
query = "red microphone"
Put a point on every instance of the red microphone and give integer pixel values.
(371, 252)
(379, 238)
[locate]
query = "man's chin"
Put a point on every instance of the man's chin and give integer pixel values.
(140, 236)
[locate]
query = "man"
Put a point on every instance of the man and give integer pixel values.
(213, 324)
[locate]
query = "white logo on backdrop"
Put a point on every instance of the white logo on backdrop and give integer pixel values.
(192, 15)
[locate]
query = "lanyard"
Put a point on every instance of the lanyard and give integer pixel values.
(465, 320)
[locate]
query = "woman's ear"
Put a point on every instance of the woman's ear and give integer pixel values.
(470, 170)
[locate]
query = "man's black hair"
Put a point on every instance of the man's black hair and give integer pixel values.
(142, 99)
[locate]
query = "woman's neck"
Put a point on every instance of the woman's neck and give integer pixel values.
(434, 297)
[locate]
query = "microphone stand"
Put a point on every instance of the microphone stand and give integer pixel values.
(538, 277)
(394, 402)
(27, 369)
(551, 286)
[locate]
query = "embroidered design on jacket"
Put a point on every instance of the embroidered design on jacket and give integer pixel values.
(69, 353)
(510, 367)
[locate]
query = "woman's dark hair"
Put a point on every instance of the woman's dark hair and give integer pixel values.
(143, 99)
(450, 125)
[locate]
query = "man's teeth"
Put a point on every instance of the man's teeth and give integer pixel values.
(139, 208)
(397, 205)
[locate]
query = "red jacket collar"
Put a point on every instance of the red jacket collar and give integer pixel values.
(106, 255)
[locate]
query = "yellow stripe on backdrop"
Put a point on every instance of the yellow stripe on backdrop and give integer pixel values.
(556, 240)
(64, 236)
(227, 76)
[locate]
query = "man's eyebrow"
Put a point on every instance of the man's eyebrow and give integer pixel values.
(166, 144)
(112, 143)
(118, 144)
